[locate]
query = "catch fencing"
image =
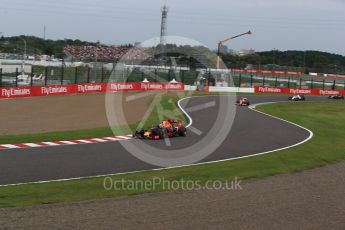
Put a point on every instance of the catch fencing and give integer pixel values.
(101, 73)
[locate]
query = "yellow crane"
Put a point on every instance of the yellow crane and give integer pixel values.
(222, 42)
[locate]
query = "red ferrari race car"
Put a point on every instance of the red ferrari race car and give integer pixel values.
(243, 102)
(166, 129)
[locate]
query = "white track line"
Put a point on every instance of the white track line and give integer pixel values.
(184, 111)
(252, 107)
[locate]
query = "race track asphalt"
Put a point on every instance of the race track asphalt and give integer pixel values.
(251, 133)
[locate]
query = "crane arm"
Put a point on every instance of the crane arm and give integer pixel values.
(221, 42)
(224, 41)
(228, 39)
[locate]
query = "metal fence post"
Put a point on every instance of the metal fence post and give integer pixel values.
(276, 83)
(169, 72)
(209, 77)
(62, 74)
(182, 77)
(102, 73)
(46, 75)
(288, 82)
(240, 81)
(311, 83)
(125, 75)
(76, 75)
(88, 75)
(16, 77)
(251, 80)
(333, 87)
(344, 85)
(323, 84)
(31, 75)
(1, 77)
(263, 80)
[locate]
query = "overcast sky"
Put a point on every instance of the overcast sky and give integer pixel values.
(276, 24)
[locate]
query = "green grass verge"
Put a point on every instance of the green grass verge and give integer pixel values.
(326, 119)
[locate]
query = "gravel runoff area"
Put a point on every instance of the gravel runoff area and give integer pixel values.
(63, 113)
(311, 199)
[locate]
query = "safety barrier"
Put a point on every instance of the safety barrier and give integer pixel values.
(268, 72)
(284, 90)
(230, 89)
(51, 90)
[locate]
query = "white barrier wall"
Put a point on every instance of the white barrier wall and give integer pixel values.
(222, 89)
(6, 68)
(189, 88)
(231, 89)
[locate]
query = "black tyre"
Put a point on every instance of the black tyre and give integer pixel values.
(182, 132)
(157, 131)
(161, 134)
(139, 133)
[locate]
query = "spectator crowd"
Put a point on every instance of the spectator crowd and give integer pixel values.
(106, 52)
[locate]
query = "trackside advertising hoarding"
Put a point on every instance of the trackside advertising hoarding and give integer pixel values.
(142, 86)
(53, 90)
(283, 90)
(268, 72)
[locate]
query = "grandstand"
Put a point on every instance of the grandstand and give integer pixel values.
(102, 52)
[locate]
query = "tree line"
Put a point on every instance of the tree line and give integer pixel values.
(307, 61)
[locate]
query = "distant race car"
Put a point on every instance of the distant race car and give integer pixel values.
(337, 96)
(166, 129)
(297, 98)
(243, 102)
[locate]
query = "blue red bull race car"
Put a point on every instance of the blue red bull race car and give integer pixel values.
(166, 129)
